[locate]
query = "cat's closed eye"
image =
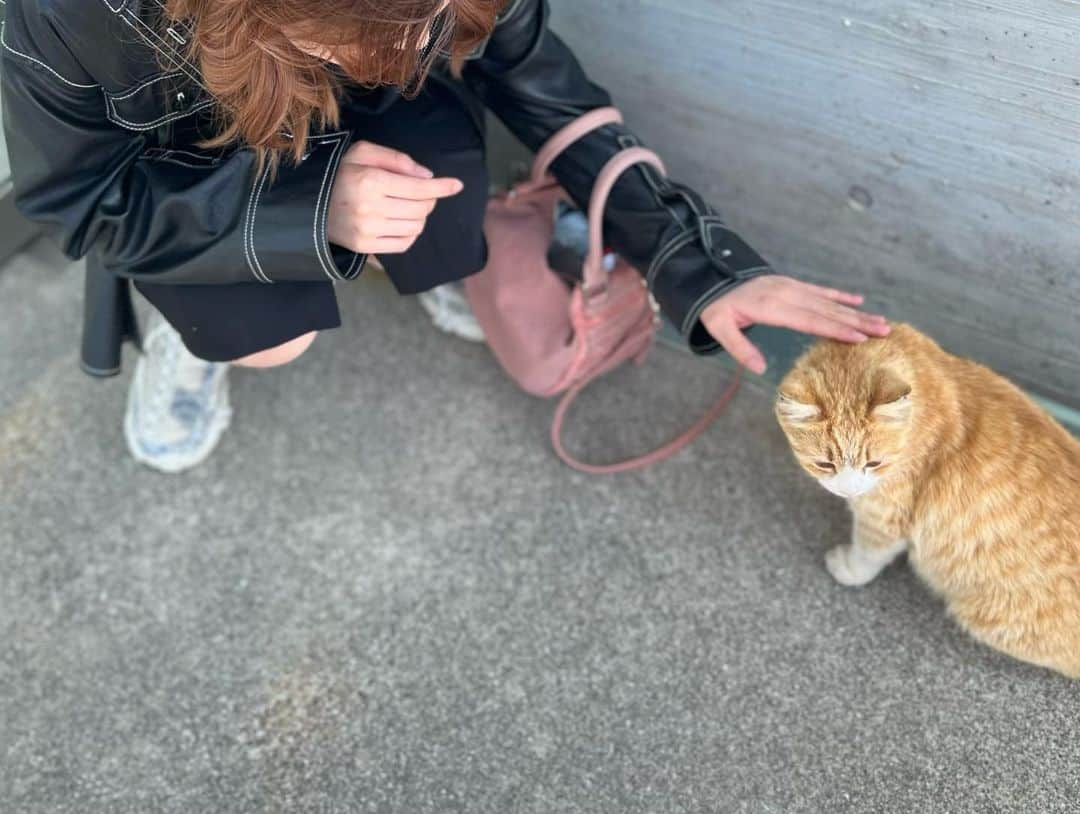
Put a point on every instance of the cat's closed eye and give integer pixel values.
(873, 464)
(828, 466)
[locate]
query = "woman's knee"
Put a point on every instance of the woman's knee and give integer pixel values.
(281, 355)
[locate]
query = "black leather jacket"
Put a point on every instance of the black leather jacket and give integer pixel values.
(103, 151)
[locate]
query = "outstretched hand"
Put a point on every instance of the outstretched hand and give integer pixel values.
(787, 303)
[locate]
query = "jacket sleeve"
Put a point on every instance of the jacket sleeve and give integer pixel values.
(154, 214)
(529, 78)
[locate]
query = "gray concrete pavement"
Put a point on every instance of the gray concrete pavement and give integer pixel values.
(384, 594)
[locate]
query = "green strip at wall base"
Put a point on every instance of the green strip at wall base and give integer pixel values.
(783, 347)
(1066, 415)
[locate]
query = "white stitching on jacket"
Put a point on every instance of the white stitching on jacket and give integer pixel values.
(322, 208)
(683, 239)
(110, 107)
(669, 250)
(181, 63)
(176, 24)
(168, 152)
(702, 302)
(114, 115)
(168, 50)
(254, 213)
(207, 158)
(147, 83)
(244, 231)
(179, 162)
(351, 272)
(159, 45)
(39, 63)
(509, 11)
(248, 233)
(649, 173)
(693, 316)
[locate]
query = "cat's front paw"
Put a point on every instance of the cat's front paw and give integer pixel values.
(847, 569)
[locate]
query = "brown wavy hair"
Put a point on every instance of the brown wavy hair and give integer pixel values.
(272, 95)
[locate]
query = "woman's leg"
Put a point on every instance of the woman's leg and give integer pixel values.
(231, 323)
(281, 355)
(178, 404)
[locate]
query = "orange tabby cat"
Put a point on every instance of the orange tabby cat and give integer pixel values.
(944, 459)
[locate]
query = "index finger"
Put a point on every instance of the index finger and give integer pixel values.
(421, 189)
(384, 158)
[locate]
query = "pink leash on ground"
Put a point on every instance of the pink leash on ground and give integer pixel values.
(661, 454)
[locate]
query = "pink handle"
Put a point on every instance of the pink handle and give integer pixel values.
(595, 277)
(661, 454)
(595, 281)
(577, 129)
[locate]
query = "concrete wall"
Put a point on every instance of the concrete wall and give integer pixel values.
(925, 152)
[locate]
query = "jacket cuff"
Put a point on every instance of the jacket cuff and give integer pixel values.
(694, 268)
(278, 244)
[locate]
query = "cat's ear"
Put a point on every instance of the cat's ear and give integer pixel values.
(790, 409)
(891, 400)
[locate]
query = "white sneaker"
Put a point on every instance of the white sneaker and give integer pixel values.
(450, 311)
(178, 404)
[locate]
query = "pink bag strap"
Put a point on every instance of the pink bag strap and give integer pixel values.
(632, 464)
(577, 129)
(595, 277)
(595, 283)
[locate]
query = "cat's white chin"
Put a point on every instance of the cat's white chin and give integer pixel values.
(849, 483)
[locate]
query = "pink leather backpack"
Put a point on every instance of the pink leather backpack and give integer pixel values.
(554, 339)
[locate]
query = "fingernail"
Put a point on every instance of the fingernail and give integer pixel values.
(424, 172)
(458, 186)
